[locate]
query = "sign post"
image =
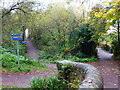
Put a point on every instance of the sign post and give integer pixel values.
(17, 44)
(17, 37)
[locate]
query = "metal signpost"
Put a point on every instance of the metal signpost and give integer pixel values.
(17, 37)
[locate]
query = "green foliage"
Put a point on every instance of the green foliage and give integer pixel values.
(10, 62)
(49, 61)
(50, 83)
(85, 45)
(56, 29)
(80, 55)
(116, 48)
(91, 59)
(69, 57)
(106, 47)
(45, 55)
(6, 86)
(58, 83)
(118, 57)
(73, 76)
(66, 65)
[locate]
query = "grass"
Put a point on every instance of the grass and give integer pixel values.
(76, 59)
(6, 86)
(27, 68)
(49, 61)
(91, 59)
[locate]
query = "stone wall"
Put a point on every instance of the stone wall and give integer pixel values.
(92, 77)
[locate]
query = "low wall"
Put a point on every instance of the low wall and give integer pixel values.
(92, 77)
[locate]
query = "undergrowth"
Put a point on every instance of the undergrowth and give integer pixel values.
(10, 62)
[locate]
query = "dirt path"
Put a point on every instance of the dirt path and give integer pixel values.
(32, 50)
(109, 69)
(24, 79)
(107, 65)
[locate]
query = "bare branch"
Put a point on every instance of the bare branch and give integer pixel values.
(13, 8)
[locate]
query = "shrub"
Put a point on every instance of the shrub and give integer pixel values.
(116, 48)
(106, 47)
(50, 83)
(80, 55)
(44, 55)
(118, 57)
(91, 59)
(10, 62)
(86, 43)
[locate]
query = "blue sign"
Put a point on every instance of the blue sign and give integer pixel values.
(24, 42)
(17, 36)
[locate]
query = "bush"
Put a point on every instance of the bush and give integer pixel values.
(116, 48)
(50, 83)
(10, 62)
(106, 47)
(80, 55)
(86, 44)
(44, 55)
(91, 59)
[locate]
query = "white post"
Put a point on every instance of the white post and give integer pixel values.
(26, 33)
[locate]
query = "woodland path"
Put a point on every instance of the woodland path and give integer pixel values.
(109, 68)
(106, 64)
(32, 50)
(24, 79)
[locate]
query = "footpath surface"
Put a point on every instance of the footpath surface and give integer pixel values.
(110, 69)
(24, 79)
(32, 50)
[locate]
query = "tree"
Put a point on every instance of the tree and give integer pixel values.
(112, 14)
(12, 22)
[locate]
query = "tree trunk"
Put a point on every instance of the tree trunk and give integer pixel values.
(118, 32)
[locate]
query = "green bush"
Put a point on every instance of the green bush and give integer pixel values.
(116, 48)
(3, 49)
(10, 62)
(86, 43)
(44, 55)
(106, 47)
(80, 55)
(118, 57)
(91, 59)
(50, 83)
